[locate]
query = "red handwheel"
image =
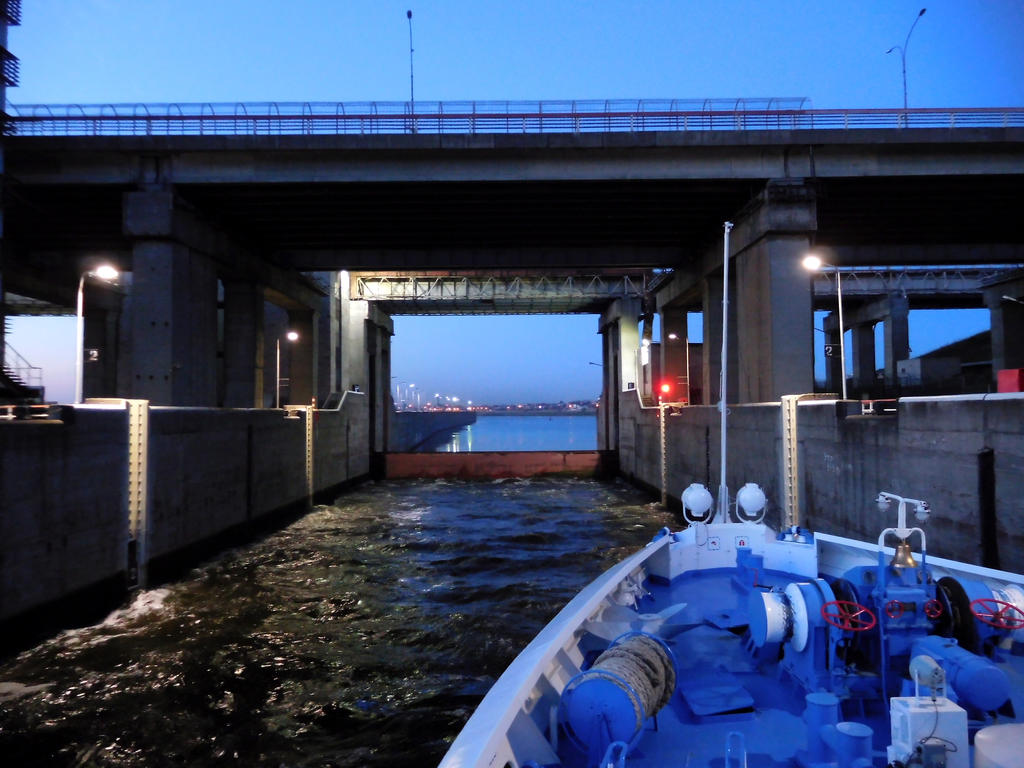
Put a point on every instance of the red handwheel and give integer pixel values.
(933, 609)
(894, 609)
(997, 613)
(848, 616)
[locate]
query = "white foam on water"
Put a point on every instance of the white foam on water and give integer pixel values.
(146, 601)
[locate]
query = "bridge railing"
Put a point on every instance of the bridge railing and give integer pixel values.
(478, 117)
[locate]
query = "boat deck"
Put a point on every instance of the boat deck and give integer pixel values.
(722, 689)
(734, 704)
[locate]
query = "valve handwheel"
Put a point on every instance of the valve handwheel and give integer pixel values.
(933, 609)
(894, 609)
(848, 616)
(997, 613)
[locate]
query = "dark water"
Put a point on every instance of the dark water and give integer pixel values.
(557, 432)
(362, 635)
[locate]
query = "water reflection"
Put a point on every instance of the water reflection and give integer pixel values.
(557, 432)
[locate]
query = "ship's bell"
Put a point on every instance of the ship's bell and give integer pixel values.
(903, 558)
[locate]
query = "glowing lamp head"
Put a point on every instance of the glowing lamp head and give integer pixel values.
(812, 262)
(105, 272)
(292, 335)
(665, 388)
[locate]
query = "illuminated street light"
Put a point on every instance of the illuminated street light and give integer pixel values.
(108, 274)
(291, 336)
(814, 263)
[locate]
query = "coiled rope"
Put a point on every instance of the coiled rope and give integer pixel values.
(642, 668)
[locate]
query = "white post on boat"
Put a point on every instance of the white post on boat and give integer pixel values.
(723, 489)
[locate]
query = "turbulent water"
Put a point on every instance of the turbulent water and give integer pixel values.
(362, 635)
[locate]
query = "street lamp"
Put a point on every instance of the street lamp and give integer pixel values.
(814, 263)
(291, 336)
(903, 55)
(108, 274)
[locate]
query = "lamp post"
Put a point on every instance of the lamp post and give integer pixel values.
(291, 336)
(814, 263)
(903, 54)
(108, 274)
(412, 93)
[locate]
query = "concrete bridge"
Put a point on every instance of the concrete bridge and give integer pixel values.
(238, 219)
(231, 236)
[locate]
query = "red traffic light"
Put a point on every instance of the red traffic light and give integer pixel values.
(666, 388)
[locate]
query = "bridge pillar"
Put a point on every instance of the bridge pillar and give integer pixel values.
(173, 325)
(775, 321)
(863, 336)
(897, 336)
(619, 326)
(173, 317)
(302, 356)
(100, 366)
(243, 345)
(1007, 321)
(674, 368)
(834, 360)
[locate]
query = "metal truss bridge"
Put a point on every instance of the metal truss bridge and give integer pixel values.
(940, 286)
(521, 294)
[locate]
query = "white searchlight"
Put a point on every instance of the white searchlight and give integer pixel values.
(697, 503)
(751, 503)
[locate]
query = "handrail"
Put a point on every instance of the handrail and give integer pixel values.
(29, 375)
(611, 116)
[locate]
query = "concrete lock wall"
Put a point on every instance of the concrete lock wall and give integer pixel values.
(932, 449)
(64, 526)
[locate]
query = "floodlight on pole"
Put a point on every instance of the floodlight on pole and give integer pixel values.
(813, 263)
(290, 336)
(107, 273)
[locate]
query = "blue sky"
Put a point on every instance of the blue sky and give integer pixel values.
(962, 53)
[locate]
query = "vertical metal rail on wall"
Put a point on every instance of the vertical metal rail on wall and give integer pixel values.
(309, 414)
(790, 462)
(664, 455)
(137, 495)
(309, 455)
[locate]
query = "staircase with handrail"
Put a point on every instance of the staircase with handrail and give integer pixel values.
(20, 381)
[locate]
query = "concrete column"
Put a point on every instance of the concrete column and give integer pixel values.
(711, 368)
(1007, 323)
(379, 329)
(607, 418)
(629, 343)
(833, 354)
(173, 325)
(775, 319)
(99, 369)
(673, 353)
(897, 336)
(329, 339)
(353, 344)
(863, 358)
(244, 362)
(302, 356)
